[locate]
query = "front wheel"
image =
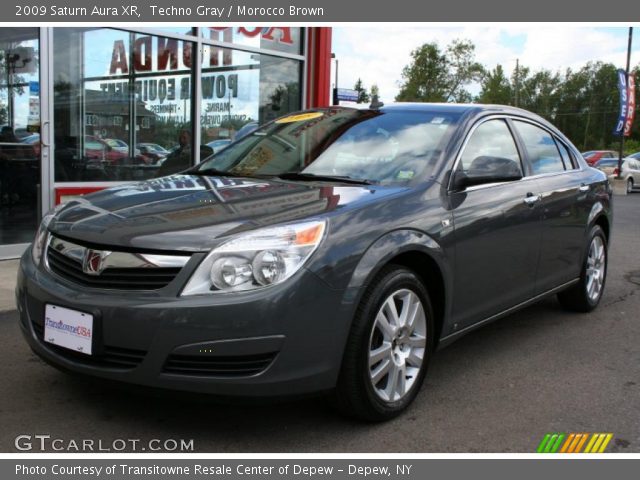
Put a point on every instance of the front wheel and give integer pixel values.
(630, 185)
(585, 295)
(388, 349)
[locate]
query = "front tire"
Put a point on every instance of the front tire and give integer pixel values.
(388, 349)
(630, 185)
(585, 295)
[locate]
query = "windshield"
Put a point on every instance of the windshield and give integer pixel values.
(376, 146)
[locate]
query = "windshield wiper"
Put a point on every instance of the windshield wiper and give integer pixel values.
(310, 177)
(219, 173)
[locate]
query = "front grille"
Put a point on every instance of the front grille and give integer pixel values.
(111, 357)
(140, 278)
(219, 366)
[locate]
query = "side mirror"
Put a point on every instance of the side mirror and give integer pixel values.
(485, 169)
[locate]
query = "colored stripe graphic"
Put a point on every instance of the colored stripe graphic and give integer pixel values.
(550, 443)
(574, 442)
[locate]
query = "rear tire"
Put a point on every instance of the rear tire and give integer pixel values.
(388, 349)
(585, 295)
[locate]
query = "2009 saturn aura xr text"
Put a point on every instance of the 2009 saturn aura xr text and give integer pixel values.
(328, 251)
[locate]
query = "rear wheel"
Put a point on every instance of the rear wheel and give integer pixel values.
(585, 295)
(388, 349)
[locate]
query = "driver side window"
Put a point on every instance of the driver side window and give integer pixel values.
(490, 144)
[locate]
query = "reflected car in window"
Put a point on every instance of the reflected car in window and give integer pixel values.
(328, 251)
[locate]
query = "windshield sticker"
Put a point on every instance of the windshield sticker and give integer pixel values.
(301, 117)
(405, 175)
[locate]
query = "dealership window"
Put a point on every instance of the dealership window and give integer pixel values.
(130, 89)
(119, 95)
(241, 90)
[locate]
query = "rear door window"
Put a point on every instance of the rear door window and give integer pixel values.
(541, 149)
(567, 158)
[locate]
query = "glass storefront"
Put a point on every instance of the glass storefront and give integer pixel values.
(128, 105)
(19, 134)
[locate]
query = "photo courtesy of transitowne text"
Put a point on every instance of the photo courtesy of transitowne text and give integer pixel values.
(319, 239)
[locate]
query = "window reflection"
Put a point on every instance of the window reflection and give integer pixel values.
(122, 101)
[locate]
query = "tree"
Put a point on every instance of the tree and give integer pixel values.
(375, 91)
(436, 76)
(496, 88)
(363, 96)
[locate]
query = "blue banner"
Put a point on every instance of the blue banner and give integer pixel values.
(622, 88)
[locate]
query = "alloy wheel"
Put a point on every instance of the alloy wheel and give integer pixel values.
(596, 262)
(397, 345)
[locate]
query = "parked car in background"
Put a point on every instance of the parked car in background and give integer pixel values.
(593, 156)
(630, 170)
(118, 145)
(152, 151)
(218, 145)
(333, 250)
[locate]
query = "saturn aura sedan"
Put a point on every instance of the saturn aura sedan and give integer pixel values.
(329, 251)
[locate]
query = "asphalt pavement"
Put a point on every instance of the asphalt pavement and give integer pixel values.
(499, 389)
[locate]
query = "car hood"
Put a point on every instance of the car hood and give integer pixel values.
(188, 212)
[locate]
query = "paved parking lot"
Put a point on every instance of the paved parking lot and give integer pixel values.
(499, 389)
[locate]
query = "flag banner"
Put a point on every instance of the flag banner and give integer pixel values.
(631, 104)
(622, 88)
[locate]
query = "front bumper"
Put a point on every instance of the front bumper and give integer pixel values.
(284, 340)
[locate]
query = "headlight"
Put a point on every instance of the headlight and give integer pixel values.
(257, 259)
(40, 240)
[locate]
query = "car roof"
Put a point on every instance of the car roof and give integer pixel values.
(471, 109)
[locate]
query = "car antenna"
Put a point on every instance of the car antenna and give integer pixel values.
(376, 103)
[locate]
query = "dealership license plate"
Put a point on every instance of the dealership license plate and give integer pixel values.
(68, 328)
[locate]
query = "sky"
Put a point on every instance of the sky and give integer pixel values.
(378, 53)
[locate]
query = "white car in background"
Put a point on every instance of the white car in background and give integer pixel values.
(630, 170)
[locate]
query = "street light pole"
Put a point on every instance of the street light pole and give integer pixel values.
(627, 80)
(335, 91)
(517, 92)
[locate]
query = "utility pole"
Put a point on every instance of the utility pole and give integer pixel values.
(627, 80)
(335, 90)
(517, 93)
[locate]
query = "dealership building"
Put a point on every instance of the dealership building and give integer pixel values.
(82, 109)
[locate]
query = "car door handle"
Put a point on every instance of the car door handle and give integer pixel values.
(532, 199)
(584, 188)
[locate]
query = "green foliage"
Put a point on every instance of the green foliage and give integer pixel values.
(630, 146)
(496, 87)
(363, 96)
(582, 103)
(436, 76)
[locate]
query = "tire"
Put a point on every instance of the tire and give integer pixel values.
(580, 297)
(398, 346)
(630, 185)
